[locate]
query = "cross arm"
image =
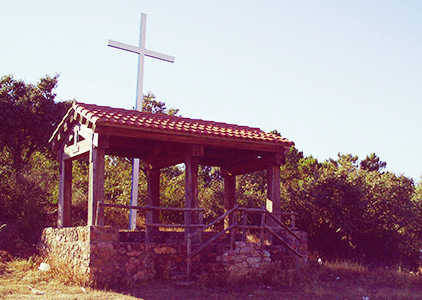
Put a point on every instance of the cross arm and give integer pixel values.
(157, 55)
(125, 47)
(139, 50)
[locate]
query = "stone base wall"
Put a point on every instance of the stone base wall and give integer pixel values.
(95, 255)
(69, 250)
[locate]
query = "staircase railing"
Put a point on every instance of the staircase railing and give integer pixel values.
(191, 254)
(244, 226)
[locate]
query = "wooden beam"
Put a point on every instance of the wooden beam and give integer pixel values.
(159, 154)
(167, 161)
(163, 155)
(247, 166)
(65, 194)
(161, 161)
(155, 150)
(96, 186)
(124, 152)
(171, 157)
(129, 147)
(85, 132)
(187, 138)
(77, 150)
(252, 162)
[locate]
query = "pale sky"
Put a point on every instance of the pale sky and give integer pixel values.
(332, 76)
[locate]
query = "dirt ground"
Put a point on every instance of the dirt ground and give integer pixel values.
(10, 289)
(24, 288)
(20, 279)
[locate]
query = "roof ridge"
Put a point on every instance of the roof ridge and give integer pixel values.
(164, 116)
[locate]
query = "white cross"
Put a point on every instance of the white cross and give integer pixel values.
(142, 51)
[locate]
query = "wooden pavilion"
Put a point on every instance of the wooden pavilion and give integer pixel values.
(161, 141)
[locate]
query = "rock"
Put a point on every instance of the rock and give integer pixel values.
(253, 260)
(106, 249)
(165, 250)
(267, 260)
(134, 253)
(44, 267)
(246, 250)
(36, 292)
(132, 266)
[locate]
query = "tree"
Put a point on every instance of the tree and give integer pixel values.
(28, 117)
(372, 163)
(417, 196)
(28, 177)
(353, 212)
(150, 104)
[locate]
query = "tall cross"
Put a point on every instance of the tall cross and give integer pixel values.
(142, 51)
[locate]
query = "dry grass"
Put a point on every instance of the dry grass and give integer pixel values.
(345, 280)
(21, 279)
(331, 280)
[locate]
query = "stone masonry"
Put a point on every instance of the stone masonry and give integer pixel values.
(94, 255)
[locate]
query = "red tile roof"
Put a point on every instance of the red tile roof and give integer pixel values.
(118, 117)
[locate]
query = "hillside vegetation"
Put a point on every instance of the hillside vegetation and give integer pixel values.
(352, 209)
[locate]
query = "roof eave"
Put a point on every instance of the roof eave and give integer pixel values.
(189, 138)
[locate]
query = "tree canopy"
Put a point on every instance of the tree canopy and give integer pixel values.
(28, 175)
(28, 117)
(353, 210)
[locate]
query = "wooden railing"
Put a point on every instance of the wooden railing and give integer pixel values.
(149, 225)
(244, 226)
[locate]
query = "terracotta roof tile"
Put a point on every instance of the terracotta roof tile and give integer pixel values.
(107, 116)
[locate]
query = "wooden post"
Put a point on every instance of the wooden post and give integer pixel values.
(229, 195)
(261, 233)
(233, 232)
(96, 186)
(153, 199)
(191, 190)
(188, 259)
(244, 223)
(293, 222)
(65, 194)
(200, 221)
(273, 191)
